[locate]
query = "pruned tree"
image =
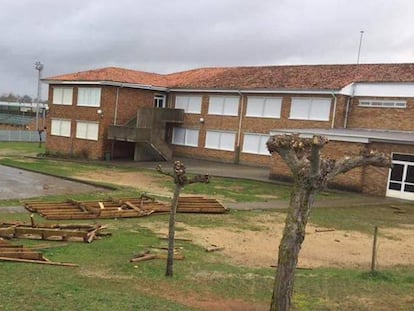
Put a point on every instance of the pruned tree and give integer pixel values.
(311, 174)
(180, 180)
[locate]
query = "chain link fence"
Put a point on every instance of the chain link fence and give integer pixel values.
(26, 136)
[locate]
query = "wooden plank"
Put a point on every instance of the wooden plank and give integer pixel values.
(133, 206)
(39, 262)
(143, 258)
(214, 249)
(176, 239)
(49, 232)
(22, 255)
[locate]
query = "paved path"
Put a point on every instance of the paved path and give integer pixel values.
(16, 183)
(259, 173)
(212, 168)
(21, 184)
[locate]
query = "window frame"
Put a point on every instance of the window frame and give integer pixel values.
(159, 98)
(382, 103)
(62, 96)
(187, 105)
(219, 146)
(223, 107)
(186, 137)
(310, 101)
(259, 150)
(80, 98)
(61, 121)
(263, 108)
(87, 131)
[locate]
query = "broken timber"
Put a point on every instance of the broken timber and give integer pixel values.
(18, 253)
(147, 255)
(86, 233)
(120, 208)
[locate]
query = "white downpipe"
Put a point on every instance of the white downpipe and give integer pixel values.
(334, 111)
(240, 120)
(116, 105)
(348, 105)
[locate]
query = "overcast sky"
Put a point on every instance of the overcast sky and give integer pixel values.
(166, 36)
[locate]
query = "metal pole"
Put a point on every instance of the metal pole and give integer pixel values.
(360, 44)
(39, 67)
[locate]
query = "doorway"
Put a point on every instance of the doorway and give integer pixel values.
(401, 177)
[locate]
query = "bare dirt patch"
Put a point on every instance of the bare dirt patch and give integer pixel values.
(139, 180)
(258, 248)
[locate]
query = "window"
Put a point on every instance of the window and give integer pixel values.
(89, 96)
(383, 103)
(60, 127)
(87, 130)
(317, 109)
(190, 104)
(226, 106)
(255, 143)
(220, 140)
(159, 101)
(62, 95)
(263, 107)
(185, 137)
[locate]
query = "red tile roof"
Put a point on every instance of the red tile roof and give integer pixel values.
(114, 74)
(262, 77)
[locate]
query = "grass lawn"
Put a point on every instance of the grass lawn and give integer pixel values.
(106, 280)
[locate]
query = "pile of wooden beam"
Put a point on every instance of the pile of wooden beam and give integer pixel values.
(72, 209)
(120, 208)
(62, 232)
(19, 253)
(200, 205)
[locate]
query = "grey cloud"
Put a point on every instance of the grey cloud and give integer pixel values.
(166, 36)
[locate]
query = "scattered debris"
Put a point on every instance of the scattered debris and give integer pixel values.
(398, 209)
(324, 230)
(120, 208)
(55, 232)
(18, 253)
(113, 208)
(160, 253)
(214, 248)
(176, 239)
(298, 268)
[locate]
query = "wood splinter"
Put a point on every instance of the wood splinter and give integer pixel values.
(214, 249)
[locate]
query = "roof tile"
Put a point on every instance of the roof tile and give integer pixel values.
(259, 77)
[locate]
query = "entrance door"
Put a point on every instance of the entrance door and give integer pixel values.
(401, 178)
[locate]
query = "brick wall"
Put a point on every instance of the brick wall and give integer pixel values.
(352, 180)
(232, 123)
(369, 179)
(129, 100)
(382, 118)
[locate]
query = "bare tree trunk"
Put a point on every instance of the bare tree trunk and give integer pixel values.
(290, 245)
(171, 231)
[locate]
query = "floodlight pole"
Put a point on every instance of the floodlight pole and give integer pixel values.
(39, 68)
(360, 44)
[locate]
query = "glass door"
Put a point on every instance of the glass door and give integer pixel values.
(401, 177)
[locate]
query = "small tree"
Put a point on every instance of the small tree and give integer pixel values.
(180, 180)
(311, 174)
